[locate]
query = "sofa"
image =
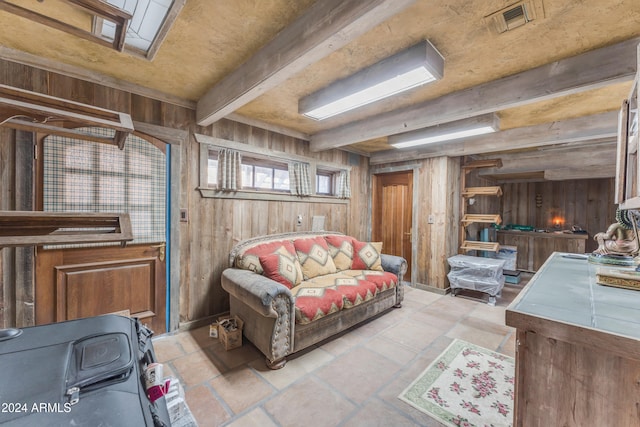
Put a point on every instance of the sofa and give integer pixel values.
(294, 290)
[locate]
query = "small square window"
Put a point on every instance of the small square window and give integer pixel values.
(324, 183)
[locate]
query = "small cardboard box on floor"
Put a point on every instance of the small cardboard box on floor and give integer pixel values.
(228, 329)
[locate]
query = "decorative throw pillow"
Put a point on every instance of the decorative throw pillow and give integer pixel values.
(250, 258)
(341, 250)
(366, 255)
(314, 257)
(283, 267)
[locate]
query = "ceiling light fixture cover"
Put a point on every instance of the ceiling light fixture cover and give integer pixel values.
(420, 64)
(473, 126)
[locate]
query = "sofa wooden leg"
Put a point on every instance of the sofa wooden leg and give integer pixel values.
(277, 364)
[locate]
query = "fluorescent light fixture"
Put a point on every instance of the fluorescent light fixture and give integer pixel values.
(473, 126)
(413, 67)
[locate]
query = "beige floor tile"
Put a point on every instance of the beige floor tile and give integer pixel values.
(392, 350)
(295, 369)
(309, 403)
(494, 328)
(483, 338)
(241, 389)
(256, 418)
(489, 314)
(421, 296)
(205, 408)
(378, 414)
(359, 374)
(197, 367)
(238, 356)
(413, 334)
(342, 343)
(167, 348)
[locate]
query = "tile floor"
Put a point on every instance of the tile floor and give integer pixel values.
(351, 380)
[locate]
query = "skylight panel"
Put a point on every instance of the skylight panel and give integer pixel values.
(146, 21)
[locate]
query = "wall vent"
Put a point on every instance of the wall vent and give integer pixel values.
(515, 15)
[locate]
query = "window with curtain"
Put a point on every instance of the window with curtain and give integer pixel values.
(85, 176)
(262, 172)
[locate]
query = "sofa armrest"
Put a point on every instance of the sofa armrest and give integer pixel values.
(255, 290)
(394, 264)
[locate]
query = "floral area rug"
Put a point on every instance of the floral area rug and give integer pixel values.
(466, 386)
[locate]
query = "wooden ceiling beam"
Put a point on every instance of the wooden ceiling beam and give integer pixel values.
(587, 128)
(578, 172)
(587, 156)
(324, 28)
(590, 70)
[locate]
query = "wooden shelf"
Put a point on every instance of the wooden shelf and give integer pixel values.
(34, 228)
(471, 218)
(471, 245)
(482, 191)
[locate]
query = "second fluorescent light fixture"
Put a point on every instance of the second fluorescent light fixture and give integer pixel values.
(413, 67)
(473, 126)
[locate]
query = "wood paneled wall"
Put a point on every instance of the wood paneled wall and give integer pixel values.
(214, 225)
(587, 203)
(436, 192)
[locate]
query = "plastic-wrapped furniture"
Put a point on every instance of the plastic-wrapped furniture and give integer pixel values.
(478, 274)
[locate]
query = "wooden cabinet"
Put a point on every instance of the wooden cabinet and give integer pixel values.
(534, 248)
(577, 349)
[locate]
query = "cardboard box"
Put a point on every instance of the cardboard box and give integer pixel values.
(230, 338)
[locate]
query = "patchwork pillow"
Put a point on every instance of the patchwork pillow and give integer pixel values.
(341, 250)
(314, 257)
(283, 267)
(366, 255)
(250, 258)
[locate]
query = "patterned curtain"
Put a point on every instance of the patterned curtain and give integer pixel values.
(343, 185)
(229, 170)
(299, 179)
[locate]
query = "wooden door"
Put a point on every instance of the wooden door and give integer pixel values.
(393, 214)
(87, 280)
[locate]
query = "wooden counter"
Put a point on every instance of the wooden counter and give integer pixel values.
(534, 248)
(577, 349)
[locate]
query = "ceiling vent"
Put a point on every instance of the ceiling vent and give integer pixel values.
(515, 15)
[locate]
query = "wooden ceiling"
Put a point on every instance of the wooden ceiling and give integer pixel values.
(556, 80)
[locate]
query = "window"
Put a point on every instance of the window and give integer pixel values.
(259, 174)
(265, 174)
(84, 176)
(324, 183)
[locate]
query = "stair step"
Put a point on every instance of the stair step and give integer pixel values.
(471, 218)
(471, 245)
(482, 191)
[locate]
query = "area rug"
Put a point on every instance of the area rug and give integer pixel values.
(466, 385)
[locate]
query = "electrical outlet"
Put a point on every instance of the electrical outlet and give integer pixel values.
(299, 220)
(431, 219)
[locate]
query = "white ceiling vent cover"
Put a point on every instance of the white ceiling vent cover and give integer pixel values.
(515, 15)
